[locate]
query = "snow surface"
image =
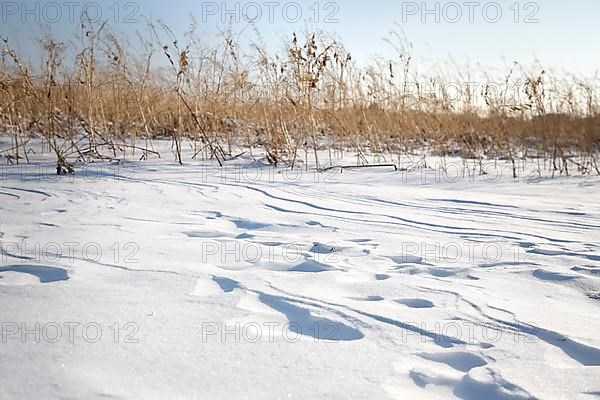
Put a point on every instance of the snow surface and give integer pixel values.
(152, 280)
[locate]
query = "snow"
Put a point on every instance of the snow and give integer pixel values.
(153, 280)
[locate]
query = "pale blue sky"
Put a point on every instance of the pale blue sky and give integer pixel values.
(565, 36)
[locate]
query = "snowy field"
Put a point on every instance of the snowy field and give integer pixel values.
(149, 280)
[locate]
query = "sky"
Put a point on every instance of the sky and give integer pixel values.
(562, 36)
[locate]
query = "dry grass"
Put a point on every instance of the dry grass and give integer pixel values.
(114, 103)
